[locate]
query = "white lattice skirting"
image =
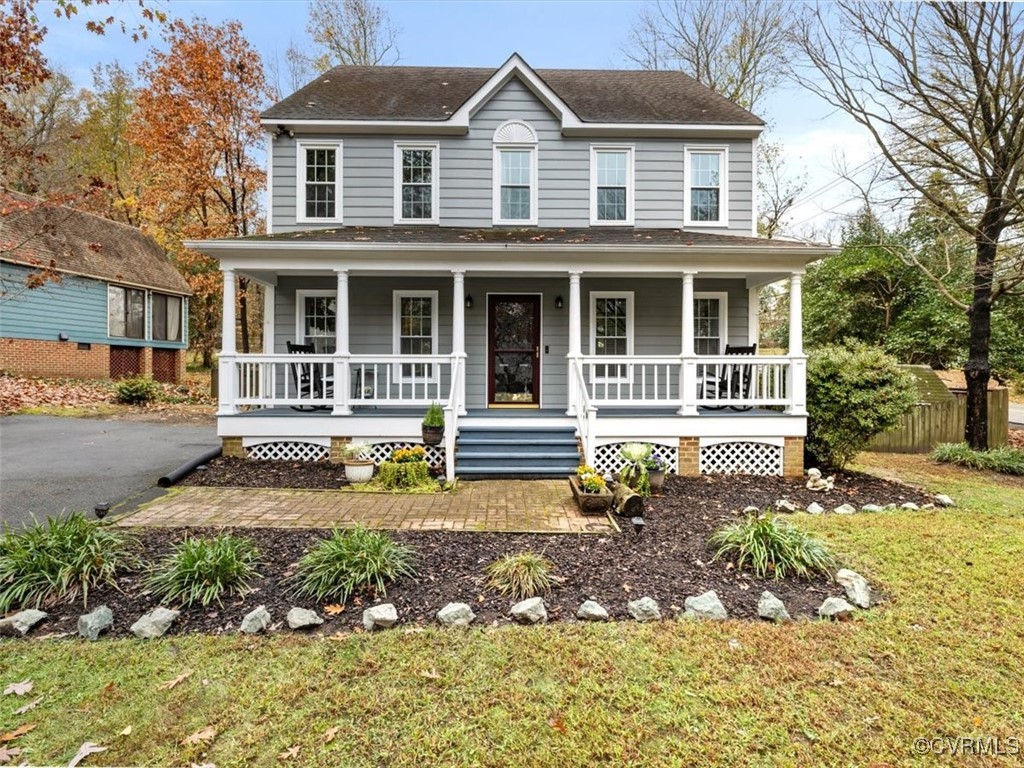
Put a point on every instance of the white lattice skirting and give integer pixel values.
(608, 461)
(382, 452)
(288, 450)
(741, 458)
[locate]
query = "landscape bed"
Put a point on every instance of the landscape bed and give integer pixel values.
(669, 561)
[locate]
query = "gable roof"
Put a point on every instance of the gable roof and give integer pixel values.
(436, 94)
(83, 244)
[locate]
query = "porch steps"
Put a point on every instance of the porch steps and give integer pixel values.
(496, 452)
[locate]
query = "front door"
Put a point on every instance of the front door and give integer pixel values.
(513, 345)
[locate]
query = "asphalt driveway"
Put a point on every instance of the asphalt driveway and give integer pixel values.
(50, 465)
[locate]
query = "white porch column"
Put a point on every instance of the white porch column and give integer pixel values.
(688, 379)
(575, 340)
(797, 359)
(227, 385)
(459, 332)
(753, 315)
(269, 299)
(341, 347)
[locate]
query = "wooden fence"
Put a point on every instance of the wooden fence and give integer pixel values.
(929, 424)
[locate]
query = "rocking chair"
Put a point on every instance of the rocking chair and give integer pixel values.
(310, 379)
(734, 381)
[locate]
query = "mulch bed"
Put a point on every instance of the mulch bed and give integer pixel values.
(669, 561)
(231, 472)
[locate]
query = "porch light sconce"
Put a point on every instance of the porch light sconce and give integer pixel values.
(558, 302)
(469, 301)
(283, 131)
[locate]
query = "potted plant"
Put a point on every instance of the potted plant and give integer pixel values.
(590, 491)
(433, 425)
(358, 468)
(635, 473)
(657, 467)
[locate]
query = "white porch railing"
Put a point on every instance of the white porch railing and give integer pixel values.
(451, 416)
(584, 409)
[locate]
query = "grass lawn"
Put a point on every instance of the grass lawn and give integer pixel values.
(944, 657)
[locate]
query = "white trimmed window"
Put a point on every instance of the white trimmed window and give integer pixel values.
(416, 183)
(706, 195)
(319, 192)
(167, 316)
(611, 329)
(415, 330)
(515, 173)
(611, 185)
(710, 323)
(126, 312)
(315, 318)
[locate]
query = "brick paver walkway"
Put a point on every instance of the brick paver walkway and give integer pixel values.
(483, 505)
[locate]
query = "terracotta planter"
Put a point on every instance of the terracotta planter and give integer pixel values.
(432, 435)
(590, 503)
(358, 471)
(657, 480)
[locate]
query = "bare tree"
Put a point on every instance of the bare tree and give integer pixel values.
(940, 88)
(777, 190)
(738, 48)
(351, 32)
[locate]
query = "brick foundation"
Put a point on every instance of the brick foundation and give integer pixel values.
(338, 449)
(689, 456)
(232, 446)
(793, 457)
(54, 359)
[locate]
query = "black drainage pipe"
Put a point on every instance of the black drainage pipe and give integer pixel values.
(172, 477)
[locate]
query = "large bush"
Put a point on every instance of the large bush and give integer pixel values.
(853, 394)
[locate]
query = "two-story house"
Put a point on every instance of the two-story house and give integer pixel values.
(566, 260)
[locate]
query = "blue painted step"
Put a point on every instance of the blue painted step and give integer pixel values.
(495, 452)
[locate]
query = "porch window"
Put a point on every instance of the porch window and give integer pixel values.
(709, 323)
(416, 184)
(166, 317)
(515, 173)
(706, 200)
(611, 330)
(611, 180)
(319, 182)
(315, 314)
(126, 312)
(415, 325)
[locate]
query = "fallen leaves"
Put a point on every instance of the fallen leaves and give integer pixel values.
(18, 689)
(331, 733)
(558, 723)
(334, 609)
(289, 753)
(207, 734)
(88, 748)
(7, 755)
(17, 393)
(168, 685)
(126, 731)
(29, 707)
(17, 733)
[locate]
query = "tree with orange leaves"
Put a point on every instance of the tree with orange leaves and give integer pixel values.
(197, 124)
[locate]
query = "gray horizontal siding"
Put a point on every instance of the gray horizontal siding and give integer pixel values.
(466, 174)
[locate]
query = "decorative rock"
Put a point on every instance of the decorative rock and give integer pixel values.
(814, 508)
(815, 482)
(871, 508)
(835, 608)
(857, 590)
(154, 624)
(889, 507)
(383, 616)
(21, 622)
(944, 501)
(644, 609)
(845, 509)
(909, 505)
(706, 606)
(927, 506)
(531, 611)
(256, 621)
(785, 505)
(751, 510)
(97, 621)
(303, 618)
(456, 615)
(771, 608)
(591, 611)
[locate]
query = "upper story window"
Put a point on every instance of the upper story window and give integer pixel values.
(318, 197)
(611, 185)
(167, 313)
(416, 177)
(126, 312)
(515, 173)
(706, 197)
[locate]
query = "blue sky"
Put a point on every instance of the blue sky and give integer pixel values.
(571, 34)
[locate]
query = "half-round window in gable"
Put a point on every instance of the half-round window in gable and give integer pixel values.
(515, 132)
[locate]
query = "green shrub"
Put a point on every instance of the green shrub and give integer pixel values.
(203, 570)
(1005, 460)
(56, 560)
(351, 560)
(434, 416)
(394, 475)
(771, 547)
(521, 575)
(635, 473)
(853, 394)
(137, 390)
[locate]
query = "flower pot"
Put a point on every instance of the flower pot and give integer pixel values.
(433, 435)
(590, 503)
(657, 477)
(359, 471)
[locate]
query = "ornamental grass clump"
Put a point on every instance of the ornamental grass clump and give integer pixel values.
(773, 547)
(352, 560)
(57, 560)
(204, 570)
(521, 575)
(1005, 460)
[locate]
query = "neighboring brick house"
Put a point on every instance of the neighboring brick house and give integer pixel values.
(118, 308)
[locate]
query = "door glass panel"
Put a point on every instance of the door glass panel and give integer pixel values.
(513, 351)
